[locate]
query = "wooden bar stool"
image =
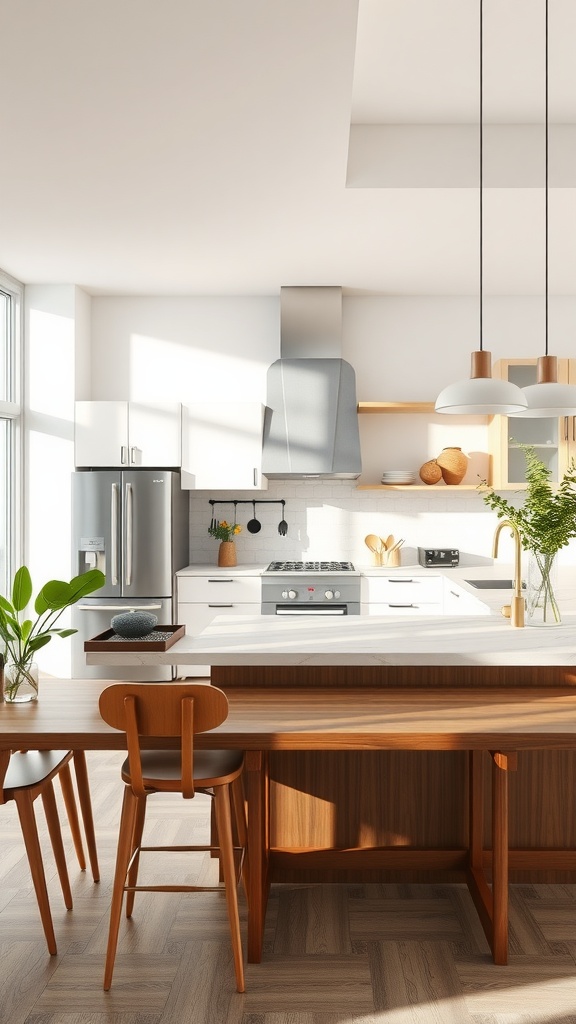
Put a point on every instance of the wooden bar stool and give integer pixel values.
(144, 710)
(25, 775)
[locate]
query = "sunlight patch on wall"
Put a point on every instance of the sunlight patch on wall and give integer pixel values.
(51, 364)
(49, 503)
(161, 370)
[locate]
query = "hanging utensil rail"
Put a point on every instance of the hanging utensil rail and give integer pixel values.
(247, 501)
(253, 526)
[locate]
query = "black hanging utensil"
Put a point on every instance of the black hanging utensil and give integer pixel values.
(253, 526)
(283, 525)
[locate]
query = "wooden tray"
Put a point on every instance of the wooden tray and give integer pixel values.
(105, 642)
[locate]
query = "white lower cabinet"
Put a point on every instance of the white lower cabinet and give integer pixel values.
(402, 595)
(418, 595)
(202, 598)
(458, 601)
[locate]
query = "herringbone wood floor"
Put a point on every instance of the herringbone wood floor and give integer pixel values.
(348, 954)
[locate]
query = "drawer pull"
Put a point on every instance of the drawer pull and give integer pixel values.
(401, 605)
(221, 605)
(400, 579)
(230, 580)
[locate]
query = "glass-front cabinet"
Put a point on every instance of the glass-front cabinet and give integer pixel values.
(553, 438)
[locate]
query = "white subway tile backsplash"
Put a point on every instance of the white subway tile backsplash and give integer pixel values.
(330, 520)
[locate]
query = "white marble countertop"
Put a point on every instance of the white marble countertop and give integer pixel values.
(364, 640)
(218, 570)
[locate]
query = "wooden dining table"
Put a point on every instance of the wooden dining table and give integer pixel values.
(494, 724)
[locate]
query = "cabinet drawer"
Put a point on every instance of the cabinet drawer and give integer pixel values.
(226, 589)
(197, 616)
(402, 589)
(432, 608)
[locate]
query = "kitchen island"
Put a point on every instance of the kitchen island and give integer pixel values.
(390, 809)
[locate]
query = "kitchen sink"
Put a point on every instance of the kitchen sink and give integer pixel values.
(493, 584)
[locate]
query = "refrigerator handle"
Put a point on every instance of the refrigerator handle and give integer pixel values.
(128, 536)
(118, 607)
(114, 535)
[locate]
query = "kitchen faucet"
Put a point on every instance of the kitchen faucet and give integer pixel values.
(516, 608)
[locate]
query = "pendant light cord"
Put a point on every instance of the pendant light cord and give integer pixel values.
(481, 160)
(546, 185)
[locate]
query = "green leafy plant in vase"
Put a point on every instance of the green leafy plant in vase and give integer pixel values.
(22, 637)
(546, 522)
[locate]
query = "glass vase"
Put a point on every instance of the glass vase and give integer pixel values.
(20, 684)
(541, 603)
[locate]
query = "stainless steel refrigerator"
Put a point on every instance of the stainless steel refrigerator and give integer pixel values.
(133, 525)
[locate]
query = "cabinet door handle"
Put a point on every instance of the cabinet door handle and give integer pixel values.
(255, 477)
(574, 428)
(454, 594)
(133, 455)
(123, 455)
(565, 428)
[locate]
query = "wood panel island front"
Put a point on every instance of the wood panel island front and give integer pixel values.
(389, 733)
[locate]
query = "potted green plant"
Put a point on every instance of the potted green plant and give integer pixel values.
(224, 532)
(546, 522)
(22, 637)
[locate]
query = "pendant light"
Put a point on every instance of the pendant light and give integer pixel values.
(547, 397)
(481, 395)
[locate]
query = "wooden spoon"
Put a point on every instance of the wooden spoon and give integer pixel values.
(389, 542)
(374, 543)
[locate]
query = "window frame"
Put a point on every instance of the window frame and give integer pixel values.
(11, 411)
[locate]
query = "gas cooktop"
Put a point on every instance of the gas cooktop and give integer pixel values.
(310, 567)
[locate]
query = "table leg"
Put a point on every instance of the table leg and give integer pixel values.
(502, 764)
(257, 789)
(480, 891)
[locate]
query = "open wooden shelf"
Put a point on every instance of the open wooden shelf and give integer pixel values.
(395, 407)
(417, 487)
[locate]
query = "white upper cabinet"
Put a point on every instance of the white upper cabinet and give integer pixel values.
(129, 434)
(222, 446)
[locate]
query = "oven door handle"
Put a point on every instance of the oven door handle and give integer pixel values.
(331, 610)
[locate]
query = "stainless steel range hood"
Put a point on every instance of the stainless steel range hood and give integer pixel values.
(311, 424)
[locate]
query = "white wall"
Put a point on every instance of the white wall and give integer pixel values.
(402, 348)
(57, 344)
(183, 349)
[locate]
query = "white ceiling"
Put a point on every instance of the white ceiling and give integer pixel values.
(200, 148)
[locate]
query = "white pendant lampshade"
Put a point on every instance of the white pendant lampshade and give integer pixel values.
(481, 395)
(548, 398)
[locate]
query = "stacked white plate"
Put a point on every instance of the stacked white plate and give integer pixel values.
(398, 476)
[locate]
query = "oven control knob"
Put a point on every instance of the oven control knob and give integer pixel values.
(336, 593)
(284, 595)
(328, 594)
(292, 594)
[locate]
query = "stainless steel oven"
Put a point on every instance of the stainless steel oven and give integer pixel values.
(311, 588)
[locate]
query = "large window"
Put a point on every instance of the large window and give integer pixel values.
(10, 427)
